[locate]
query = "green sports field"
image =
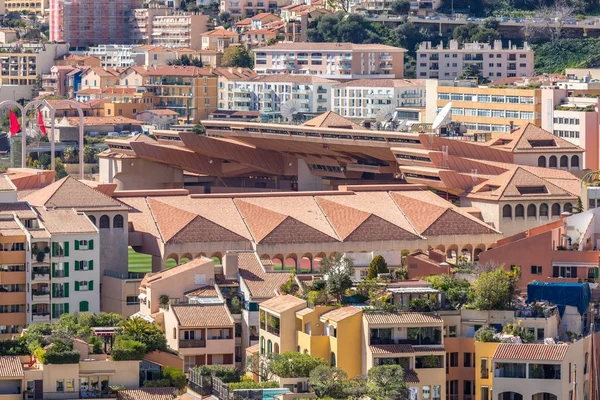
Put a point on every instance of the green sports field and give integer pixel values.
(142, 262)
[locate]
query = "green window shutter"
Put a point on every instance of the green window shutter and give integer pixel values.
(90, 245)
(67, 289)
(66, 265)
(91, 285)
(66, 308)
(91, 265)
(53, 270)
(53, 291)
(54, 311)
(76, 264)
(53, 249)
(84, 306)
(66, 249)
(77, 286)
(77, 245)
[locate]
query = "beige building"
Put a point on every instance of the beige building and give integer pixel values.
(22, 63)
(179, 30)
(278, 324)
(493, 60)
(143, 23)
(331, 60)
(120, 292)
(7, 35)
(26, 6)
(219, 39)
(99, 78)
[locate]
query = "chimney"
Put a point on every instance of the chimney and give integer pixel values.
(230, 265)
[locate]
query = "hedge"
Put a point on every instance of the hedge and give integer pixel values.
(63, 357)
(253, 385)
(175, 376)
(129, 350)
(13, 348)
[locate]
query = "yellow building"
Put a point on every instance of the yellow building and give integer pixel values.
(485, 109)
(28, 6)
(277, 324)
(484, 374)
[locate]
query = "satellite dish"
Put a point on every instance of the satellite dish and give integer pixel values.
(290, 109)
(443, 117)
(385, 115)
(402, 126)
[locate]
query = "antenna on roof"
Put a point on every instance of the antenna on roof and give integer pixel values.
(443, 119)
(290, 109)
(385, 116)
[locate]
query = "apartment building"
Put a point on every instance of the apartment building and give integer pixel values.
(246, 8)
(189, 91)
(179, 30)
(493, 61)
(332, 60)
(76, 21)
(98, 78)
(26, 6)
(364, 98)
(77, 60)
(219, 39)
(120, 291)
(56, 82)
(485, 108)
(22, 63)
(113, 55)
(143, 23)
(272, 93)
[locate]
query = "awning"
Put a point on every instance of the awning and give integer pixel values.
(142, 296)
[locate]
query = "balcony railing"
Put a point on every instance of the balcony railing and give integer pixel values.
(191, 343)
(273, 330)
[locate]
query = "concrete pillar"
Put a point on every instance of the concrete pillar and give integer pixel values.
(306, 180)
(158, 264)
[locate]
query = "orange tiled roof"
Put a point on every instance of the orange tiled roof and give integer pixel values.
(331, 119)
(178, 269)
(282, 303)
(341, 313)
(203, 291)
(202, 315)
(532, 352)
(166, 393)
(11, 367)
(65, 221)
(377, 318)
(391, 348)
(260, 284)
(524, 139)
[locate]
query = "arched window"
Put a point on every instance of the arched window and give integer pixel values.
(333, 360)
(564, 162)
(84, 306)
(531, 210)
(118, 221)
(276, 348)
(543, 210)
(104, 222)
(269, 346)
(519, 211)
(552, 162)
(575, 161)
(555, 210)
(262, 345)
(507, 211)
(93, 219)
(568, 207)
(542, 161)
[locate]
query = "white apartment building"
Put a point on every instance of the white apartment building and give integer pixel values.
(493, 60)
(143, 23)
(113, 55)
(268, 93)
(179, 30)
(364, 98)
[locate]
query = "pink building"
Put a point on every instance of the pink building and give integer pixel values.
(89, 22)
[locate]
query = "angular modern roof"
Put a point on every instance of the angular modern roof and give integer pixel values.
(532, 352)
(11, 367)
(70, 193)
(331, 119)
(282, 303)
(533, 139)
(202, 315)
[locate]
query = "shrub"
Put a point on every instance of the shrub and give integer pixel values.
(158, 383)
(128, 350)
(486, 334)
(40, 256)
(175, 376)
(246, 384)
(13, 348)
(61, 357)
(226, 374)
(377, 266)
(422, 305)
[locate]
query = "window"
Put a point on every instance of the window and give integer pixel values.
(467, 360)
(60, 385)
(507, 211)
(512, 99)
(540, 334)
(81, 245)
(118, 221)
(453, 359)
(485, 393)
(132, 301)
(104, 222)
(93, 219)
(333, 359)
(484, 369)
(452, 331)
(564, 272)
(483, 98)
(511, 114)
(536, 269)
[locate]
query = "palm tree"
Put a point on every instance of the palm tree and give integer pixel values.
(137, 328)
(69, 154)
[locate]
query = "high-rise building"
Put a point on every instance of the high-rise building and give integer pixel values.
(88, 22)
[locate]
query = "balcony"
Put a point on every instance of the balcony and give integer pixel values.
(345, 66)
(322, 100)
(40, 317)
(385, 58)
(42, 296)
(194, 343)
(40, 274)
(321, 90)
(385, 66)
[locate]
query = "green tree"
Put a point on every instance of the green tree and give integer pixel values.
(472, 71)
(89, 154)
(146, 333)
(495, 290)
(457, 290)
(295, 365)
(377, 266)
(401, 7)
(70, 154)
(236, 56)
(61, 172)
(386, 382)
(198, 129)
(339, 271)
(328, 382)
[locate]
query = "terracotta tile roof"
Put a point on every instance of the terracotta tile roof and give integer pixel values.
(89, 91)
(523, 141)
(177, 70)
(103, 72)
(339, 314)
(204, 291)
(202, 315)
(260, 284)
(10, 227)
(166, 393)
(532, 352)
(411, 377)
(376, 318)
(62, 221)
(259, 32)
(66, 106)
(428, 349)
(391, 348)
(190, 265)
(235, 73)
(254, 349)
(160, 112)
(390, 83)
(304, 311)
(282, 303)
(87, 121)
(331, 119)
(21, 209)
(6, 184)
(220, 32)
(301, 46)
(70, 193)
(11, 367)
